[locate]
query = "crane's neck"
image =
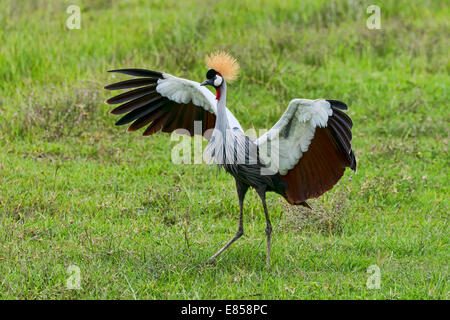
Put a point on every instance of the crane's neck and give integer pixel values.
(216, 148)
(222, 120)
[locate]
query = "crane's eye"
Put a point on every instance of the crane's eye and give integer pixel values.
(218, 81)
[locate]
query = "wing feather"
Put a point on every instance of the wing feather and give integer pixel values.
(141, 112)
(139, 73)
(132, 83)
(143, 121)
(136, 103)
(164, 102)
(156, 125)
(292, 134)
(131, 95)
(310, 146)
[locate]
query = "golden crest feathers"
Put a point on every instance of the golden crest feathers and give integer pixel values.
(223, 63)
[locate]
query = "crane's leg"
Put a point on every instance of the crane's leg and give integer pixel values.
(262, 195)
(241, 190)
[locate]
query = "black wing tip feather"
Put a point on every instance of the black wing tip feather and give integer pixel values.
(335, 104)
(132, 83)
(338, 104)
(353, 161)
(138, 72)
(142, 111)
(132, 94)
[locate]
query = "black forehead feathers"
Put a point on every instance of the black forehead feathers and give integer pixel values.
(211, 74)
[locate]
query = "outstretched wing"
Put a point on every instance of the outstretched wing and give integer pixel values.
(310, 146)
(163, 102)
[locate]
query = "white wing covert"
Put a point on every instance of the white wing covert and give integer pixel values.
(291, 136)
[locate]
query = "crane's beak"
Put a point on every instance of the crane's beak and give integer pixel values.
(208, 82)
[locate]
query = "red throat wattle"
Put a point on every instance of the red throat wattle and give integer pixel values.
(218, 89)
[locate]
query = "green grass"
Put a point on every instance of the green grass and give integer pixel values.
(76, 190)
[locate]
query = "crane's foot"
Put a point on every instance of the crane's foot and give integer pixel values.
(211, 263)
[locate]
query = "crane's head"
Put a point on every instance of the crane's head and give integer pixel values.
(222, 67)
(213, 78)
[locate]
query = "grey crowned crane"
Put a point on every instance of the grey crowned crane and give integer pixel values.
(305, 152)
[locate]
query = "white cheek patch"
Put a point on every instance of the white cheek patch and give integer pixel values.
(218, 81)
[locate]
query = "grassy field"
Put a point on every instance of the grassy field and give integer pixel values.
(76, 190)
